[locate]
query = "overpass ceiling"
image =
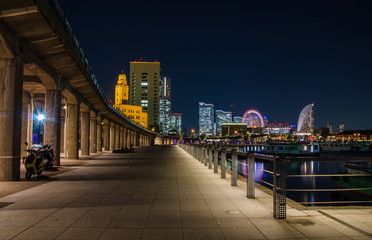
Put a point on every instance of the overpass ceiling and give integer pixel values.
(13, 4)
(35, 32)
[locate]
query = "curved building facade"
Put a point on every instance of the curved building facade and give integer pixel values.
(305, 122)
(253, 118)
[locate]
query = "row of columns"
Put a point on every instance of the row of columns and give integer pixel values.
(17, 108)
(115, 136)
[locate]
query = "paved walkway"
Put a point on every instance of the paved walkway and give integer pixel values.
(157, 193)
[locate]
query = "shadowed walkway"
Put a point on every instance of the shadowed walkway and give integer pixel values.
(155, 193)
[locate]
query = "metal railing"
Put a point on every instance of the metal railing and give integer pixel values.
(244, 164)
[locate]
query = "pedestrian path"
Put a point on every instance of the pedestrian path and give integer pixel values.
(157, 193)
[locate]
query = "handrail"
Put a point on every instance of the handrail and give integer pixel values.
(279, 163)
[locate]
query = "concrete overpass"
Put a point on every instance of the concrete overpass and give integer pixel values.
(42, 65)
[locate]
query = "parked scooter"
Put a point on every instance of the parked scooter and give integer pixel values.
(48, 155)
(35, 162)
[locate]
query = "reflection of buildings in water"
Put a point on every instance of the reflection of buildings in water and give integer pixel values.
(259, 173)
(309, 168)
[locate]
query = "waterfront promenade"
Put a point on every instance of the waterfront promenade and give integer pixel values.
(158, 193)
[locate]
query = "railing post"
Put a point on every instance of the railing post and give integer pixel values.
(198, 153)
(210, 158)
(251, 175)
(206, 156)
(223, 164)
(279, 188)
(234, 168)
(216, 150)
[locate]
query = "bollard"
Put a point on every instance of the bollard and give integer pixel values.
(250, 178)
(223, 164)
(210, 158)
(234, 168)
(215, 160)
(205, 156)
(279, 188)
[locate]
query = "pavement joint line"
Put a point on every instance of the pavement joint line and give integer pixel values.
(345, 223)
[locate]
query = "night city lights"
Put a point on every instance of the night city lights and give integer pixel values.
(185, 119)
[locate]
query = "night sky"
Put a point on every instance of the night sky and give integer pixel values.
(273, 56)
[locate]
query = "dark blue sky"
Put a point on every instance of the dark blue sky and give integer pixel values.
(273, 56)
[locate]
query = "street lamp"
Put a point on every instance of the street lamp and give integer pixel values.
(193, 132)
(40, 117)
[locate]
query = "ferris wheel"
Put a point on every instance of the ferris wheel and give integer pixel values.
(253, 118)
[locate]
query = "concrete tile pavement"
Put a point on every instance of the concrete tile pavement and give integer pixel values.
(157, 193)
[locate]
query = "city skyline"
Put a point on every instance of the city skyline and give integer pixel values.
(274, 57)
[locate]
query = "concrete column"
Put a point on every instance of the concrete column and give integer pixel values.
(137, 138)
(210, 157)
(99, 135)
(25, 119)
(215, 160)
(206, 156)
(93, 135)
(63, 136)
(130, 138)
(85, 131)
(117, 136)
(11, 77)
(52, 123)
(30, 121)
(251, 176)
(112, 136)
(223, 164)
(106, 136)
(124, 137)
(121, 137)
(72, 151)
(234, 169)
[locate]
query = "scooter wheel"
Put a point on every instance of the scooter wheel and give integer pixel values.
(28, 174)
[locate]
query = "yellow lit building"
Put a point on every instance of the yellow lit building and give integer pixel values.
(133, 113)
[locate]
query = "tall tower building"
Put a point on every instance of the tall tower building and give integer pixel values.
(222, 117)
(176, 122)
(133, 113)
(206, 118)
(144, 88)
(238, 119)
(330, 127)
(165, 105)
(342, 127)
(305, 122)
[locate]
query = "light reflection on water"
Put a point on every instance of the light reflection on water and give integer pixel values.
(310, 182)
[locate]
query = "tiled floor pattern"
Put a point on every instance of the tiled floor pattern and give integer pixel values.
(158, 193)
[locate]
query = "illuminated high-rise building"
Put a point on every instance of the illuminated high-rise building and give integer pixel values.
(176, 122)
(222, 117)
(342, 127)
(206, 118)
(238, 119)
(305, 122)
(330, 127)
(132, 112)
(165, 105)
(144, 88)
